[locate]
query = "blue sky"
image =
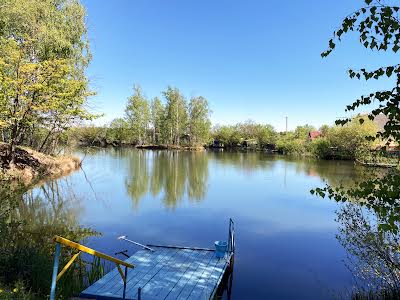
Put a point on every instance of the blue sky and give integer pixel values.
(254, 59)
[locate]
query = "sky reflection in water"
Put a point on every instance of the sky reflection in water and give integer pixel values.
(286, 245)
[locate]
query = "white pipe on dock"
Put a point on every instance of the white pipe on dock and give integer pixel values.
(123, 237)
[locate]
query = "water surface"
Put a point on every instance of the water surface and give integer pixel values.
(285, 237)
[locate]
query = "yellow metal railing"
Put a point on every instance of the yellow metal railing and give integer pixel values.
(63, 241)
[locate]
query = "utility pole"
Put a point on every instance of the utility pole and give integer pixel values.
(286, 124)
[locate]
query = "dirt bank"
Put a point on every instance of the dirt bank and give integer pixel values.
(30, 166)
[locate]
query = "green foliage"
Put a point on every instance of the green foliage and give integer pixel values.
(89, 135)
(157, 120)
(118, 131)
(96, 271)
(266, 134)
(227, 135)
(301, 132)
(43, 56)
(176, 115)
(288, 144)
(199, 122)
(378, 27)
(375, 261)
(172, 122)
(348, 141)
(340, 142)
(170, 175)
(17, 291)
(28, 222)
(234, 135)
(138, 116)
(321, 148)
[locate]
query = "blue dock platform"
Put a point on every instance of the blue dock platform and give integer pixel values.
(165, 273)
(157, 272)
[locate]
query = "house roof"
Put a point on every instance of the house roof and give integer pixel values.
(314, 134)
(381, 120)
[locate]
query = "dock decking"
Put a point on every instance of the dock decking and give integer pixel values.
(166, 273)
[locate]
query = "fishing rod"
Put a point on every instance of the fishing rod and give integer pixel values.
(123, 237)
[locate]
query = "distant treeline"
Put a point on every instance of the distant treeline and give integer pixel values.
(174, 120)
(340, 142)
(347, 142)
(248, 134)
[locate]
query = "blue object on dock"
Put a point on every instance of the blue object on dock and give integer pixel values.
(220, 248)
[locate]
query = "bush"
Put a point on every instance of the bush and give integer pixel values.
(286, 145)
(321, 148)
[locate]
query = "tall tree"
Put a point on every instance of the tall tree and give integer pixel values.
(199, 120)
(157, 119)
(266, 134)
(138, 115)
(118, 131)
(43, 55)
(301, 132)
(176, 115)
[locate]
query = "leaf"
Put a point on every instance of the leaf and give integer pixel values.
(389, 71)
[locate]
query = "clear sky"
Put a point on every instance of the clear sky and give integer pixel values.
(253, 59)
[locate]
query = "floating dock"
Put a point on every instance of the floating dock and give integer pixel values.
(156, 272)
(165, 273)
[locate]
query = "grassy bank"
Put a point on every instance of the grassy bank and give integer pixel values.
(28, 222)
(28, 166)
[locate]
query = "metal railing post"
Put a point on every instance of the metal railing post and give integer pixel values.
(55, 272)
(126, 279)
(231, 237)
(139, 293)
(60, 240)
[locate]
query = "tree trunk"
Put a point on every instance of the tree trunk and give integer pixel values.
(46, 138)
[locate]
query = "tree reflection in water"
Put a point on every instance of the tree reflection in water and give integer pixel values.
(171, 175)
(28, 222)
(373, 256)
(373, 253)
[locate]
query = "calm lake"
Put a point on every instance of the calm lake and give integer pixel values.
(285, 237)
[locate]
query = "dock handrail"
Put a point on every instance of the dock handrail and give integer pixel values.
(231, 239)
(56, 276)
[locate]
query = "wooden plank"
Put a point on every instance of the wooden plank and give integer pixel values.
(210, 280)
(132, 291)
(220, 278)
(193, 275)
(109, 276)
(145, 262)
(192, 259)
(181, 247)
(177, 289)
(167, 273)
(156, 260)
(198, 275)
(165, 280)
(107, 280)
